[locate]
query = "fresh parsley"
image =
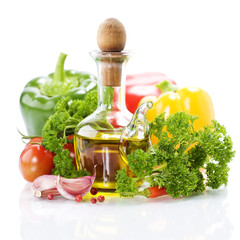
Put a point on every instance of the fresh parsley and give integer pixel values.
(67, 114)
(177, 161)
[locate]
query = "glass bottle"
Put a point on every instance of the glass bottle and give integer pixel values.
(105, 137)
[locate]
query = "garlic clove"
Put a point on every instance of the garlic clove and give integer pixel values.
(62, 191)
(43, 185)
(70, 188)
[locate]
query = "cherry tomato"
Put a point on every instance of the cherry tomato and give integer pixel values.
(35, 161)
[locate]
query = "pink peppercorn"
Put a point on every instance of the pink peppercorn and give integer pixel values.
(78, 198)
(93, 200)
(50, 196)
(101, 198)
(93, 191)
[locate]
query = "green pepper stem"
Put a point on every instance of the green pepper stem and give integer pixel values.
(167, 86)
(59, 74)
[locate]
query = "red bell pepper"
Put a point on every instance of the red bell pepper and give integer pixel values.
(141, 85)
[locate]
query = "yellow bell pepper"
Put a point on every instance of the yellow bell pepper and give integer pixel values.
(191, 100)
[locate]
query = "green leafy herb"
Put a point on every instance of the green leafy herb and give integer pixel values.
(178, 158)
(126, 185)
(64, 166)
(67, 114)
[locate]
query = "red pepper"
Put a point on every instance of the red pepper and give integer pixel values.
(141, 85)
(151, 192)
(156, 192)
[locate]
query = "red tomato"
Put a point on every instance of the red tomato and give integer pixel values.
(70, 137)
(70, 147)
(35, 161)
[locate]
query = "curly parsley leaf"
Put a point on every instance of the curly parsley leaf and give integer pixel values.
(126, 186)
(140, 163)
(220, 153)
(175, 162)
(67, 114)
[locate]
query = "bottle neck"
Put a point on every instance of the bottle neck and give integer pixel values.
(111, 79)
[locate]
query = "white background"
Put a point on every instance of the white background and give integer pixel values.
(197, 43)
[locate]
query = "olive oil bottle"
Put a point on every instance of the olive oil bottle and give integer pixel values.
(103, 139)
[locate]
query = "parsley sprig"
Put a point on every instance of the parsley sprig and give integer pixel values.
(176, 161)
(67, 114)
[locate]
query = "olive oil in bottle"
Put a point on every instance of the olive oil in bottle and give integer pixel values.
(105, 137)
(103, 152)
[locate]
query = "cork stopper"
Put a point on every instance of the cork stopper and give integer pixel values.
(111, 36)
(111, 39)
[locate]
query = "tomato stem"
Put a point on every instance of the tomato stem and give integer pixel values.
(27, 137)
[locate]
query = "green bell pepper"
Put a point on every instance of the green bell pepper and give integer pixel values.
(40, 95)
